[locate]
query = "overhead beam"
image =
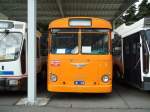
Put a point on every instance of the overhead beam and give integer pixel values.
(59, 5)
(40, 9)
(23, 12)
(91, 4)
(9, 2)
(91, 12)
(99, 1)
(53, 17)
(56, 13)
(58, 2)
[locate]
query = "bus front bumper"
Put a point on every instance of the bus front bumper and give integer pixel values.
(80, 89)
(11, 84)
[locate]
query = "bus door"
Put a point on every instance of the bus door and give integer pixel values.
(131, 54)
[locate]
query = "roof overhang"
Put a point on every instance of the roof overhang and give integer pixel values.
(48, 10)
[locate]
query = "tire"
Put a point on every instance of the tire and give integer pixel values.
(116, 74)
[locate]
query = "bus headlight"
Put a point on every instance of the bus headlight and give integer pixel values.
(105, 78)
(53, 78)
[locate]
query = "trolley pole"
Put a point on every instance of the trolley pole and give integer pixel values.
(31, 50)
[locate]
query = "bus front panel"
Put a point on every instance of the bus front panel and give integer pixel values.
(80, 62)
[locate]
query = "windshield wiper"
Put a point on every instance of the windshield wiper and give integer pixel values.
(6, 32)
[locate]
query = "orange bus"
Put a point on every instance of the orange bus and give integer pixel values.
(79, 58)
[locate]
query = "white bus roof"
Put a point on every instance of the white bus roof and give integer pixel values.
(16, 26)
(126, 30)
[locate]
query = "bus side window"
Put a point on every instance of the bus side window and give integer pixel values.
(145, 59)
(134, 48)
(49, 42)
(145, 55)
(117, 45)
(23, 58)
(44, 45)
(127, 49)
(37, 47)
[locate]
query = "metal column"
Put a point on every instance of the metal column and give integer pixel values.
(31, 64)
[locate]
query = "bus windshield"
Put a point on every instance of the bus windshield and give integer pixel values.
(95, 43)
(68, 41)
(10, 46)
(64, 43)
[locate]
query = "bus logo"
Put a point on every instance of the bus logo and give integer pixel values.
(55, 63)
(79, 65)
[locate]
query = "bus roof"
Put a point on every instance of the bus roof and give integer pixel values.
(64, 23)
(125, 30)
(13, 26)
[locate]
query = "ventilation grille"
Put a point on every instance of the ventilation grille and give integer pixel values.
(18, 26)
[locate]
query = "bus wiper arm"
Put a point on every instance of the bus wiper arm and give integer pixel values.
(6, 32)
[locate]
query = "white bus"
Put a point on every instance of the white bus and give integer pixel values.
(131, 45)
(13, 72)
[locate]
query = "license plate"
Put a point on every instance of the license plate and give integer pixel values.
(13, 82)
(79, 82)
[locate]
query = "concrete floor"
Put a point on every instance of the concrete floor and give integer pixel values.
(123, 98)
